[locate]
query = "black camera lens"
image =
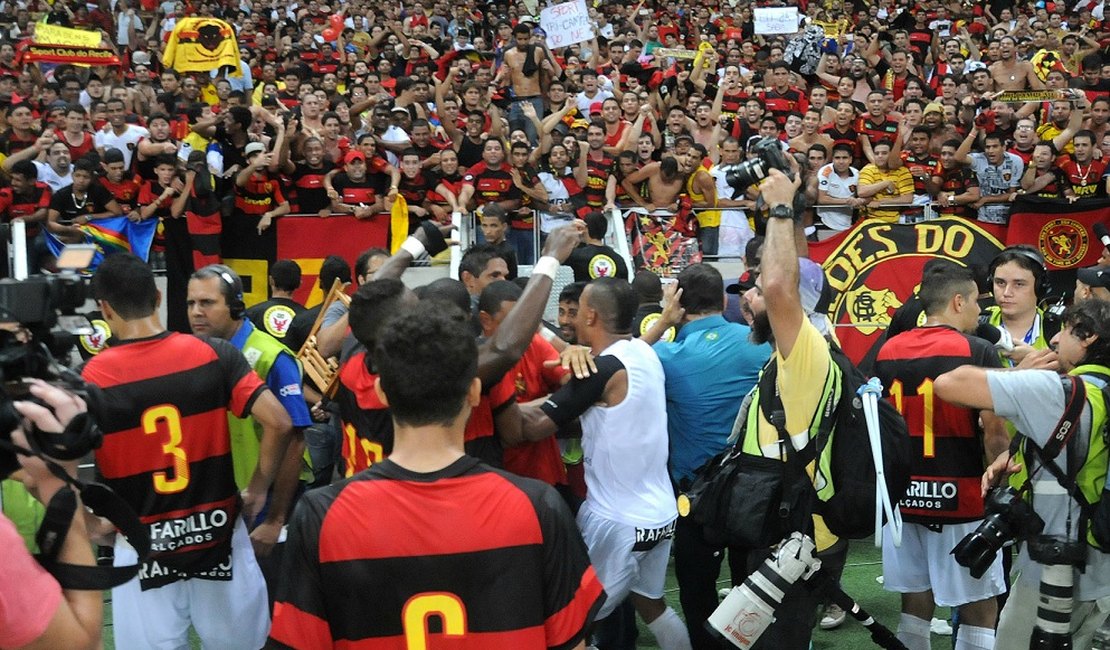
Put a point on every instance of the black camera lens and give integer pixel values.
(1008, 518)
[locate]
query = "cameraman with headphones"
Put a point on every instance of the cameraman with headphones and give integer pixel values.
(35, 612)
(1019, 281)
(1037, 401)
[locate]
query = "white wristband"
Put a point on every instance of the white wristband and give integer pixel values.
(414, 247)
(546, 265)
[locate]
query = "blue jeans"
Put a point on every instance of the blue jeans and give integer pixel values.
(524, 243)
(517, 120)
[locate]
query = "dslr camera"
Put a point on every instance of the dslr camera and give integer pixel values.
(1008, 517)
(768, 155)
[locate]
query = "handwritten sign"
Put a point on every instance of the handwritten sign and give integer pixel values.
(566, 24)
(776, 20)
(55, 35)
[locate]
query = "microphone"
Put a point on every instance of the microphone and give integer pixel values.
(996, 336)
(1102, 234)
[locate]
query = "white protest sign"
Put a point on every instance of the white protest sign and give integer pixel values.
(776, 20)
(566, 24)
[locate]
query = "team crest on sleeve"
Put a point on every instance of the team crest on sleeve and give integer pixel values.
(277, 320)
(96, 342)
(602, 266)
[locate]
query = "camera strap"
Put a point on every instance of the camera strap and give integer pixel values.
(1063, 435)
(103, 502)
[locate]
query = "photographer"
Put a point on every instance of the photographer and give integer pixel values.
(35, 612)
(1034, 402)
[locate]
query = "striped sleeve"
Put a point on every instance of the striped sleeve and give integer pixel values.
(572, 592)
(299, 609)
(903, 181)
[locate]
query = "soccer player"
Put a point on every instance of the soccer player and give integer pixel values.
(496, 558)
(167, 451)
(629, 515)
(944, 502)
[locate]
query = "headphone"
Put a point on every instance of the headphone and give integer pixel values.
(234, 293)
(1040, 274)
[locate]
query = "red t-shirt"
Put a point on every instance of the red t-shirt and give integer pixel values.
(29, 596)
(540, 460)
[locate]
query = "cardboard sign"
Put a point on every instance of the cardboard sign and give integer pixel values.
(776, 20)
(566, 24)
(55, 35)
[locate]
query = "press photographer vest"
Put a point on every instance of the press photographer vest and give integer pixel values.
(1044, 335)
(1091, 476)
(261, 351)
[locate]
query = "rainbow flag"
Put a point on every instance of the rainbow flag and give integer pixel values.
(113, 235)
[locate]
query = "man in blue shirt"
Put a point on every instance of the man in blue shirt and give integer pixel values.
(215, 307)
(710, 367)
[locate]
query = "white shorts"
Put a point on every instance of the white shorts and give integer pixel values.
(924, 562)
(230, 615)
(620, 567)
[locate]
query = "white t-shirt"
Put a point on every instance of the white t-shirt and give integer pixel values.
(51, 178)
(838, 187)
(584, 102)
(625, 446)
(735, 229)
(126, 142)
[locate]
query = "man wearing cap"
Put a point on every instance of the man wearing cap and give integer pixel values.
(709, 368)
(1092, 282)
(355, 191)
(257, 196)
(787, 305)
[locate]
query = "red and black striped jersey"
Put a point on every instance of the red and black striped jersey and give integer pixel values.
(417, 190)
(782, 104)
(1055, 187)
(308, 187)
(948, 459)
(363, 192)
(920, 165)
(848, 136)
(21, 206)
(150, 193)
(597, 178)
(876, 131)
(167, 450)
(367, 424)
(469, 556)
(260, 195)
(480, 437)
(126, 191)
(492, 184)
(956, 181)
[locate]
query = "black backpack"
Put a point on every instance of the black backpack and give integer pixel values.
(753, 501)
(848, 503)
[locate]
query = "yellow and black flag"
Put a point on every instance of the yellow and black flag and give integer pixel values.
(201, 45)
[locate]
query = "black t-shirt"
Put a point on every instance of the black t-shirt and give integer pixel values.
(590, 261)
(300, 327)
(95, 201)
(275, 317)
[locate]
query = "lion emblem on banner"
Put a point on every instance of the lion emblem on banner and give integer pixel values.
(1064, 242)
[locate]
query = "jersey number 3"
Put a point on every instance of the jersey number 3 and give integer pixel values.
(164, 420)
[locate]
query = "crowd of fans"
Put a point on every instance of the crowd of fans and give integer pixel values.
(901, 111)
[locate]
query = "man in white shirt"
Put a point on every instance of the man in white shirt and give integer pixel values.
(591, 93)
(837, 183)
(736, 230)
(119, 134)
(56, 171)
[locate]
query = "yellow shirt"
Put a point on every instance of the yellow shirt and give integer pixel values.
(903, 186)
(801, 384)
(706, 218)
(1048, 131)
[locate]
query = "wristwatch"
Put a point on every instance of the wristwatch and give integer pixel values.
(781, 211)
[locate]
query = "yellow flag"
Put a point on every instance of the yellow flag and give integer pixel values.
(54, 35)
(398, 223)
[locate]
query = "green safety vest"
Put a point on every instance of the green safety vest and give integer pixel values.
(994, 317)
(1091, 478)
(261, 351)
(23, 510)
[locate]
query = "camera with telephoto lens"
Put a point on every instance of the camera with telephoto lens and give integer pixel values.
(768, 155)
(1008, 517)
(1053, 549)
(42, 328)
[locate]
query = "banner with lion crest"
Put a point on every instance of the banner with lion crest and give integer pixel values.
(875, 266)
(1063, 231)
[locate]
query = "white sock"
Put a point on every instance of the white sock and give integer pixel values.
(670, 631)
(913, 632)
(971, 637)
